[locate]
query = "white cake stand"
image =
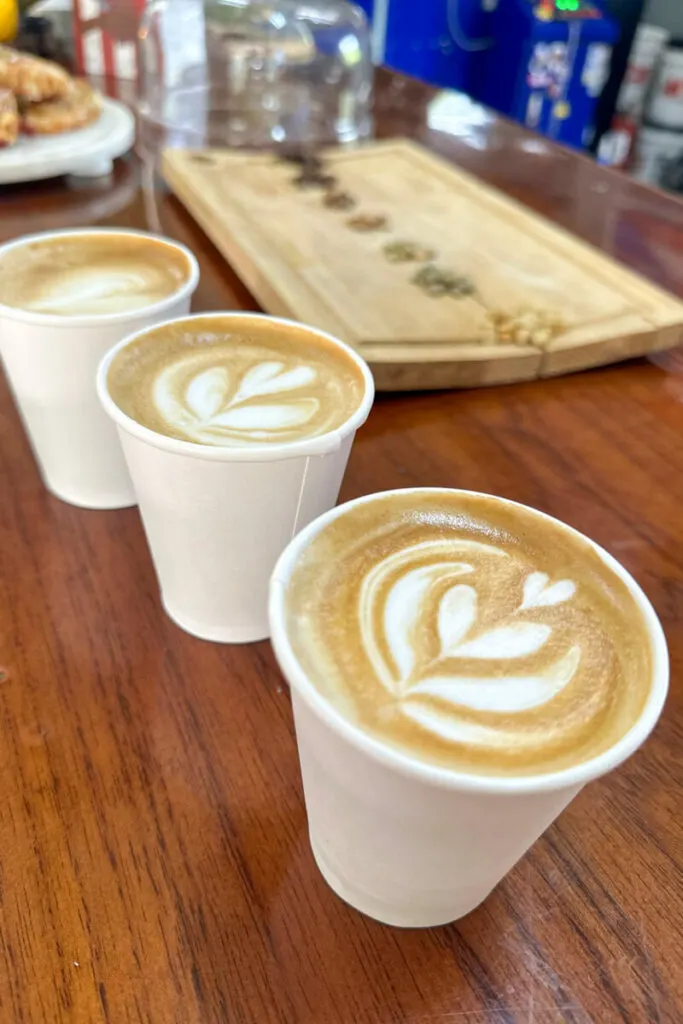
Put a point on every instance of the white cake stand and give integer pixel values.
(88, 152)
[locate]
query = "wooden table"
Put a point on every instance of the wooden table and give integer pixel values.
(154, 862)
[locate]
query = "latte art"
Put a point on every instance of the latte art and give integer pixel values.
(213, 406)
(91, 274)
(469, 633)
(98, 290)
(213, 383)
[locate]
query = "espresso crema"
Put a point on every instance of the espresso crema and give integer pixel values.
(235, 382)
(469, 633)
(91, 274)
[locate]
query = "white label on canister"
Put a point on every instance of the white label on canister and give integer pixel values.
(666, 108)
(125, 60)
(89, 9)
(93, 52)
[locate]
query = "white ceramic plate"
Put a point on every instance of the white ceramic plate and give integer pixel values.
(88, 151)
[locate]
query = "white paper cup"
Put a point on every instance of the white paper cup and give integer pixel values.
(218, 518)
(51, 362)
(408, 843)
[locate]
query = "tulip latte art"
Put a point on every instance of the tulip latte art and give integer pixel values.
(235, 382)
(469, 633)
(91, 274)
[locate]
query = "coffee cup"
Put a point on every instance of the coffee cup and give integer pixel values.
(421, 795)
(236, 429)
(54, 333)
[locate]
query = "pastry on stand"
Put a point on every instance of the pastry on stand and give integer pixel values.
(31, 78)
(9, 118)
(38, 97)
(80, 106)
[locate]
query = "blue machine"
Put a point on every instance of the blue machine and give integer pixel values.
(549, 65)
(542, 62)
(438, 41)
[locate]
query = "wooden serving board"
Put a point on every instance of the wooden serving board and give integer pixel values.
(301, 260)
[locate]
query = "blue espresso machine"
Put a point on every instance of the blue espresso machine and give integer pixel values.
(542, 62)
(438, 41)
(549, 65)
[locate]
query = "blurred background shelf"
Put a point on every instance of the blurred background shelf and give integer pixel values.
(603, 76)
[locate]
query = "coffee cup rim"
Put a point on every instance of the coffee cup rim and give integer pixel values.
(186, 289)
(322, 444)
(573, 777)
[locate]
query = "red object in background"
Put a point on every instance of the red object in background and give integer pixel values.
(545, 10)
(673, 87)
(617, 146)
(106, 37)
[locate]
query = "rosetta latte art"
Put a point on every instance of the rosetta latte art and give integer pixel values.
(219, 405)
(430, 643)
(441, 632)
(233, 382)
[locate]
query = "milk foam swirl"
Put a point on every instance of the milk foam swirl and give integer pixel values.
(264, 402)
(421, 630)
(233, 382)
(91, 273)
(445, 636)
(99, 289)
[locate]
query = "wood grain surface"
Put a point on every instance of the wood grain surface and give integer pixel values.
(301, 260)
(154, 862)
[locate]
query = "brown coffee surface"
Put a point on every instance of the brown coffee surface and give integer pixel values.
(469, 633)
(91, 274)
(235, 382)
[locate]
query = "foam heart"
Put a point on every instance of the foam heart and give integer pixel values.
(537, 593)
(428, 624)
